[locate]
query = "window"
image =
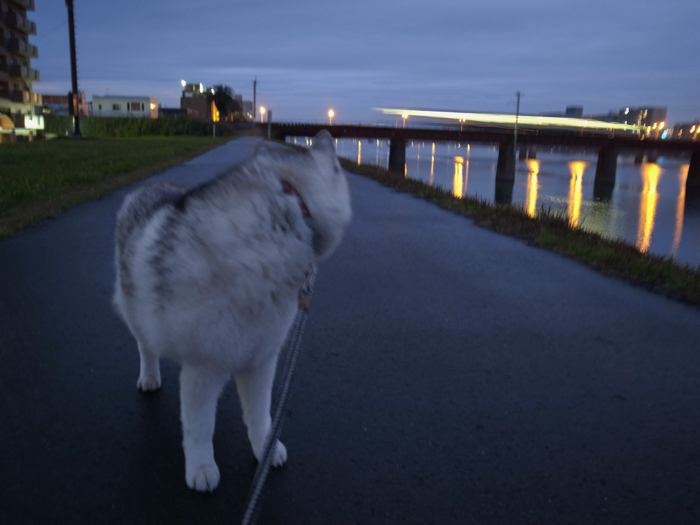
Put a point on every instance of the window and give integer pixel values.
(116, 107)
(136, 106)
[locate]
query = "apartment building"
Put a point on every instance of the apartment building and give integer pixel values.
(18, 102)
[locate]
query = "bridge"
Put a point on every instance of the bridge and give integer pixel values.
(609, 146)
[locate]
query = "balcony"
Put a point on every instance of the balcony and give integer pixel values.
(19, 22)
(19, 96)
(4, 91)
(23, 72)
(20, 47)
(27, 5)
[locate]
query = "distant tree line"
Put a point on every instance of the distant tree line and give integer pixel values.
(223, 97)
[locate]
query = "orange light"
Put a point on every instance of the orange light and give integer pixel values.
(533, 168)
(575, 192)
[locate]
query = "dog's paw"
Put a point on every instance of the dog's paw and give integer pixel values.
(204, 478)
(148, 383)
(279, 456)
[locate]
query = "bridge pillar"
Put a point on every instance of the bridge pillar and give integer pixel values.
(652, 156)
(505, 168)
(692, 183)
(523, 153)
(397, 156)
(639, 158)
(607, 166)
(504, 192)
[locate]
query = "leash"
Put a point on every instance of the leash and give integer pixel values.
(295, 335)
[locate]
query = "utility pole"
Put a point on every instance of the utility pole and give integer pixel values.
(74, 71)
(515, 129)
(255, 89)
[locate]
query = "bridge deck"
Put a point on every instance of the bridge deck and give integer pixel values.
(549, 137)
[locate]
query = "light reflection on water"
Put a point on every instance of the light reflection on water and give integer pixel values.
(648, 206)
(533, 168)
(576, 169)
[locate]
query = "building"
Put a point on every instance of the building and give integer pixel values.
(60, 104)
(171, 112)
(248, 109)
(124, 106)
(653, 119)
(194, 101)
(687, 131)
(18, 102)
(648, 117)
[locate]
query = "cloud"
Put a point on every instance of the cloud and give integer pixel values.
(358, 55)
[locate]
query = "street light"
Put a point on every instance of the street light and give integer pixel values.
(331, 114)
(404, 116)
(262, 113)
(183, 83)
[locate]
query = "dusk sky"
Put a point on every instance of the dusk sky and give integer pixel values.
(312, 55)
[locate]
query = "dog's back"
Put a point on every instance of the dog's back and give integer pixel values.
(208, 275)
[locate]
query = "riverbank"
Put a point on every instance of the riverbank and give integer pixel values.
(552, 231)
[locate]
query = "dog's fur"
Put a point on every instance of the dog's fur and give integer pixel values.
(208, 275)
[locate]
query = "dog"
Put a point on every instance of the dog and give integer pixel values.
(208, 276)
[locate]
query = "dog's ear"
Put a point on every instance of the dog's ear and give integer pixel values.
(261, 148)
(323, 141)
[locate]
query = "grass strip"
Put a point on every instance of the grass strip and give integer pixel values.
(40, 179)
(551, 230)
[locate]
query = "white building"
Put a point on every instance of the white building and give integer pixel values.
(119, 106)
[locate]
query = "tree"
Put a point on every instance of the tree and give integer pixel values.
(226, 104)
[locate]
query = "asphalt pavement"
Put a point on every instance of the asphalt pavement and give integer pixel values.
(448, 374)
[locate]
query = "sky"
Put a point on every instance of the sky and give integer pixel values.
(313, 55)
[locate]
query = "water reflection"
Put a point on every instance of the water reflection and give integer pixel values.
(575, 191)
(680, 209)
(458, 182)
(533, 168)
(647, 205)
(359, 152)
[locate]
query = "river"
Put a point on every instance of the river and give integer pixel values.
(647, 207)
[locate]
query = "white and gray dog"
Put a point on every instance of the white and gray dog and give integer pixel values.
(208, 276)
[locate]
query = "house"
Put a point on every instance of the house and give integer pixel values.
(124, 106)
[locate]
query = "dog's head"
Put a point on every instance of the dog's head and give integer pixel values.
(325, 191)
(321, 184)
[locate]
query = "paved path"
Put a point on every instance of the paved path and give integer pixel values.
(448, 375)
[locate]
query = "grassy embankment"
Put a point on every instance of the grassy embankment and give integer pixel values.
(39, 179)
(552, 231)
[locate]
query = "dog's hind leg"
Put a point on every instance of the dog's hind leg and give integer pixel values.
(255, 390)
(199, 391)
(149, 376)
